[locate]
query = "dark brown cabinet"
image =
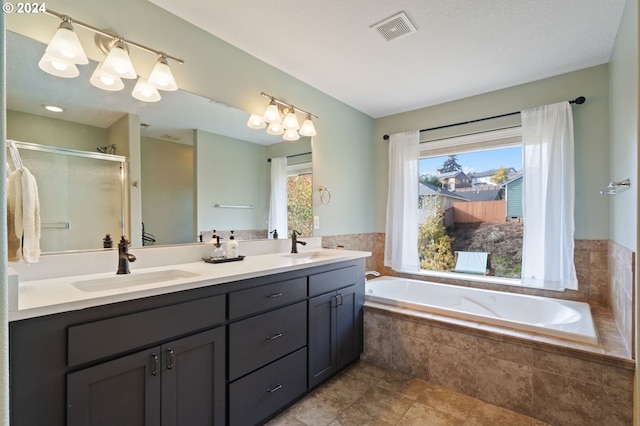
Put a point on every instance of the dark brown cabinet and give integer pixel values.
(179, 383)
(235, 353)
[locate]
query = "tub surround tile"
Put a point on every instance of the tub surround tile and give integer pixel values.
(377, 344)
(555, 382)
(506, 384)
(565, 401)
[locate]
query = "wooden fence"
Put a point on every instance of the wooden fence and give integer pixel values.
(480, 211)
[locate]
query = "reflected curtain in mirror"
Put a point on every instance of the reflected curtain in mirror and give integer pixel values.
(278, 198)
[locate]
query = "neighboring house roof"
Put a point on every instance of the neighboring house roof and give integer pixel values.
(431, 190)
(450, 174)
(487, 173)
(484, 195)
(518, 176)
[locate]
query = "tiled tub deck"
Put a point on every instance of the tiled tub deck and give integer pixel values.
(553, 380)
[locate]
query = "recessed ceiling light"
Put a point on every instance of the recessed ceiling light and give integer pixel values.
(53, 108)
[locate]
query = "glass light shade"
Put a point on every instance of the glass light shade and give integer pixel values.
(275, 129)
(291, 135)
(308, 129)
(118, 62)
(55, 66)
(256, 122)
(145, 92)
(106, 81)
(66, 46)
(161, 76)
(271, 114)
(290, 121)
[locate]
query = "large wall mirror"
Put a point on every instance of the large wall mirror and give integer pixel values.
(200, 168)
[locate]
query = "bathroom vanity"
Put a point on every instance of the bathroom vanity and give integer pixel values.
(229, 350)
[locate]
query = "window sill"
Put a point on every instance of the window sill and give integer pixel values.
(469, 277)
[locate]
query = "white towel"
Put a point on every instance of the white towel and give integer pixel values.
(30, 218)
(14, 215)
(23, 217)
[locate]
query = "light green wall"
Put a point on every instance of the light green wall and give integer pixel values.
(230, 172)
(43, 130)
(591, 131)
(624, 129)
(343, 160)
(167, 195)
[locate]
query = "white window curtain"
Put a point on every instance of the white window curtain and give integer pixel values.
(548, 199)
(278, 198)
(401, 245)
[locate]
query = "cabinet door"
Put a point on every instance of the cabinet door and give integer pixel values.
(347, 329)
(193, 380)
(322, 338)
(123, 392)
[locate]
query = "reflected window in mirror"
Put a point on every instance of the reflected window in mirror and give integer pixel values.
(299, 198)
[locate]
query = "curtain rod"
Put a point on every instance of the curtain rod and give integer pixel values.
(294, 155)
(578, 101)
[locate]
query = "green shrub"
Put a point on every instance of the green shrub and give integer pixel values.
(434, 244)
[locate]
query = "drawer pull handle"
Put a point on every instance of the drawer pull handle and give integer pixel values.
(274, 295)
(171, 359)
(277, 388)
(154, 370)
(275, 336)
(341, 299)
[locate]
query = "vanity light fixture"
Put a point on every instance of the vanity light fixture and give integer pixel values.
(282, 119)
(146, 92)
(65, 45)
(65, 51)
(161, 77)
(104, 80)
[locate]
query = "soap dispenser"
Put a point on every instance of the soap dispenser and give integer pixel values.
(232, 247)
(218, 252)
(275, 234)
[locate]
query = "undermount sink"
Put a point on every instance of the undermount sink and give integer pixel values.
(131, 280)
(308, 255)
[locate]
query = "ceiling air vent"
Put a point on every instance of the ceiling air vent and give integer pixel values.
(394, 27)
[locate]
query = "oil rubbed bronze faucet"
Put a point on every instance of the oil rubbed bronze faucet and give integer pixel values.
(295, 242)
(124, 257)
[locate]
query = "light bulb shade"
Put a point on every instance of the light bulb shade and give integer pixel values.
(291, 135)
(290, 121)
(118, 61)
(256, 122)
(106, 81)
(308, 129)
(271, 114)
(55, 66)
(161, 76)
(65, 45)
(275, 129)
(145, 92)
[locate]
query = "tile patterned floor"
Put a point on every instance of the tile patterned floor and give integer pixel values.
(365, 394)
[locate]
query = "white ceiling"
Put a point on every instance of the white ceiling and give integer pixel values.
(461, 47)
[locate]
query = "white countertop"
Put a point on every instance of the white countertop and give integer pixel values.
(55, 295)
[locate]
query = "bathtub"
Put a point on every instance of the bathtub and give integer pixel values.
(552, 317)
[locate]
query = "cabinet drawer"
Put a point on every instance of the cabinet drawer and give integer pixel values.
(258, 299)
(332, 280)
(258, 340)
(262, 393)
(101, 339)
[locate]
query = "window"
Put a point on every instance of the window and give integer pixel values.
(471, 202)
